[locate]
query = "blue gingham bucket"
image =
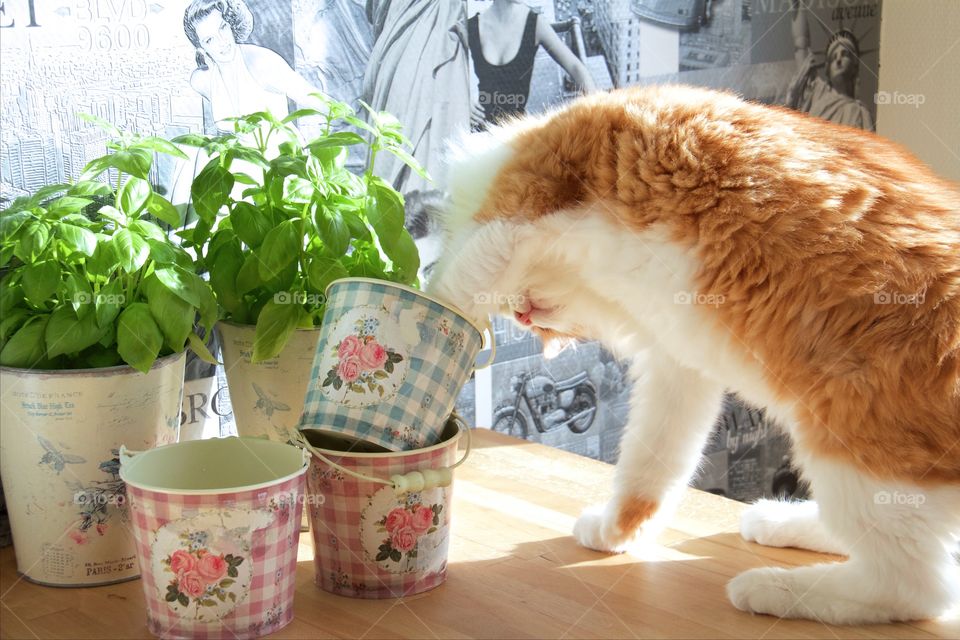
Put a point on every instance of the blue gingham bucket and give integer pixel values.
(389, 364)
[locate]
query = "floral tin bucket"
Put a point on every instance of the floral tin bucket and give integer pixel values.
(217, 524)
(381, 519)
(389, 364)
(59, 458)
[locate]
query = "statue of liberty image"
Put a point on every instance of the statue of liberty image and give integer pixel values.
(833, 95)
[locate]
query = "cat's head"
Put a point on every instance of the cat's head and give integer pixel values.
(502, 266)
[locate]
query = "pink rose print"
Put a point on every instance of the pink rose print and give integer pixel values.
(349, 369)
(192, 584)
(422, 519)
(102, 528)
(373, 355)
(397, 519)
(212, 568)
(78, 537)
(350, 346)
(404, 539)
(182, 562)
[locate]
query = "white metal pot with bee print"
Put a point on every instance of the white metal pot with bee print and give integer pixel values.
(267, 397)
(59, 456)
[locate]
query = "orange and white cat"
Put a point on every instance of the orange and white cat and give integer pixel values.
(812, 268)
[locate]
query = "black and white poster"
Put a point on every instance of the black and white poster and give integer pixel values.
(168, 67)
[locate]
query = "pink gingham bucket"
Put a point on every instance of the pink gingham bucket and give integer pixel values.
(217, 524)
(381, 519)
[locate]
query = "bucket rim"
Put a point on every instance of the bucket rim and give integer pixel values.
(253, 326)
(304, 465)
(452, 441)
(403, 287)
(159, 363)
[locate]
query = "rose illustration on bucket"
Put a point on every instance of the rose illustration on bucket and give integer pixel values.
(201, 576)
(361, 366)
(362, 362)
(404, 526)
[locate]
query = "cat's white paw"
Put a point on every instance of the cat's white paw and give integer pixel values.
(774, 523)
(762, 591)
(759, 524)
(597, 529)
(828, 593)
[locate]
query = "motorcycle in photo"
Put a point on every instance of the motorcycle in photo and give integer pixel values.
(570, 403)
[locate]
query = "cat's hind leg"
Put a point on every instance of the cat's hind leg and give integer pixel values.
(900, 541)
(777, 523)
(673, 409)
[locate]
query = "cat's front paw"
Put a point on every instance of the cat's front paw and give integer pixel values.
(597, 529)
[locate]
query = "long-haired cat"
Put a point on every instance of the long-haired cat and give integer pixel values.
(812, 268)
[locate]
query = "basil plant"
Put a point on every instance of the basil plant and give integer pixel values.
(87, 276)
(279, 218)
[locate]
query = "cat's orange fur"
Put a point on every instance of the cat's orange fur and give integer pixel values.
(804, 227)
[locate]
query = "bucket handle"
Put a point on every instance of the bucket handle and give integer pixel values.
(402, 483)
(126, 454)
(492, 343)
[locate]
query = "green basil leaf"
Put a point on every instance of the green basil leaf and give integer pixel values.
(132, 161)
(251, 224)
(193, 289)
(296, 190)
(113, 214)
(385, 209)
(104, 259)
(198, 347)
(403, 252)
(10, 322)
(11, 294)
(132, 250)
(161, 252)
(66, 333)
(281, 246)
(161, 209)
(248, 277)
(148, 230)
(224, 272)
(109, 301)
(275, 325)
(134, 195)
(78, 238)
(191, 140)
(26, 347)
(40, 281)
(90, 188)
(77, 290)
(67, 204)
(6, 253)
(33, 240)
(322, 270)
(211, 190)
(339, 139)
(173, 315)
(106, 125)
(334, 230)
(160, 145)
(358, 228)
(138, 337)
(10, 223)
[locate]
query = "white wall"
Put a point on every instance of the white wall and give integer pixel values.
(919, 96)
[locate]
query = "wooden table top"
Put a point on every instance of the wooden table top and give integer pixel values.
(514, 572)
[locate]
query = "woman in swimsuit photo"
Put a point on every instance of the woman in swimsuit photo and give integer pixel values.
(504, 40)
